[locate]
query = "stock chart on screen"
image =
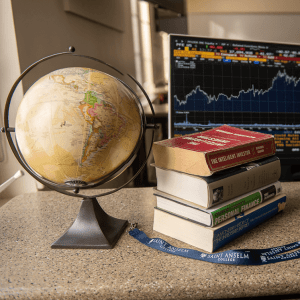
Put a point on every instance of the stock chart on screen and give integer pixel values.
(250, 85)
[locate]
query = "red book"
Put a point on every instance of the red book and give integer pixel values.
(213, 150)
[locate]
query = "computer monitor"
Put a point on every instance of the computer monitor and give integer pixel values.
(246, 84)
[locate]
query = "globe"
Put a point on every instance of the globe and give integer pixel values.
(75, 129)
(77, 126)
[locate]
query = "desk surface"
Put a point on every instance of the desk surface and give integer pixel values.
(30, 268)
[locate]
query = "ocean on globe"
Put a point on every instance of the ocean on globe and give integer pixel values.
(77, 125)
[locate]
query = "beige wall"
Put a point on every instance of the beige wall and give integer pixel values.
(33, 29)
(9, 72)
(45, 27)
(258, 20)
(243, 6)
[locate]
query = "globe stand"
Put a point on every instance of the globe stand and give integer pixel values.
(92, 229)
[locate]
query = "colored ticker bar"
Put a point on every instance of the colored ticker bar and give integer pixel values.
(257, 59)
(183, 53)
(206, 53)
(236, 58)
(287, 58)
(211, 56)
(218, 55)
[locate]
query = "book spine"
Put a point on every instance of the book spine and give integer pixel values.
(243, 224)
(244, 203)
(254, 177)
(228, 158)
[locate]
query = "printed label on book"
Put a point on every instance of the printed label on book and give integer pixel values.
(244, 223)
(219, 160)
(236, 208)
(269, 192)
(218, 194)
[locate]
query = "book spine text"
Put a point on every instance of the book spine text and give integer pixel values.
(243, 224)
(240, 205)
(228, 158)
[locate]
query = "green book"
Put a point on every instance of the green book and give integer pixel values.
(215, 215)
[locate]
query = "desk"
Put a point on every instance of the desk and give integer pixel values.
(30, 268)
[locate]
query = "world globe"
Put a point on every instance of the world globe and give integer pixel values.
(75, 129)
(77, 126)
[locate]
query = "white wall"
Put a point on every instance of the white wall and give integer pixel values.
(9, 72)
(268, 28)
(257, 20)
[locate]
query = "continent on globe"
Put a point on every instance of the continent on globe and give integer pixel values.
(77, 125)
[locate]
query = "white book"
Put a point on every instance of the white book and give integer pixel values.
(219, 213)
(221, 186)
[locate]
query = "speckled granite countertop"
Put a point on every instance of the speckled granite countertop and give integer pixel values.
(29, 268)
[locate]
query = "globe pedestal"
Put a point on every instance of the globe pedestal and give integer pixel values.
(92, 229)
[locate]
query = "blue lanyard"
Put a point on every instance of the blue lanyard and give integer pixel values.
(253, 257)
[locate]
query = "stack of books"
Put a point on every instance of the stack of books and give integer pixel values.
(215, 185)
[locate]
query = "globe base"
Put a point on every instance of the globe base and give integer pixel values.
(92, 229)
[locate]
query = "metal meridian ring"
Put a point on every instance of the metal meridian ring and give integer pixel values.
(52, 185)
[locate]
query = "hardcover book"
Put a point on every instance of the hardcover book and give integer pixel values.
(221, 186)
(213, 150)
(212, 238)
(220, 213)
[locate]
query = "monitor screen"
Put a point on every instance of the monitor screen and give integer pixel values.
(246, 84)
